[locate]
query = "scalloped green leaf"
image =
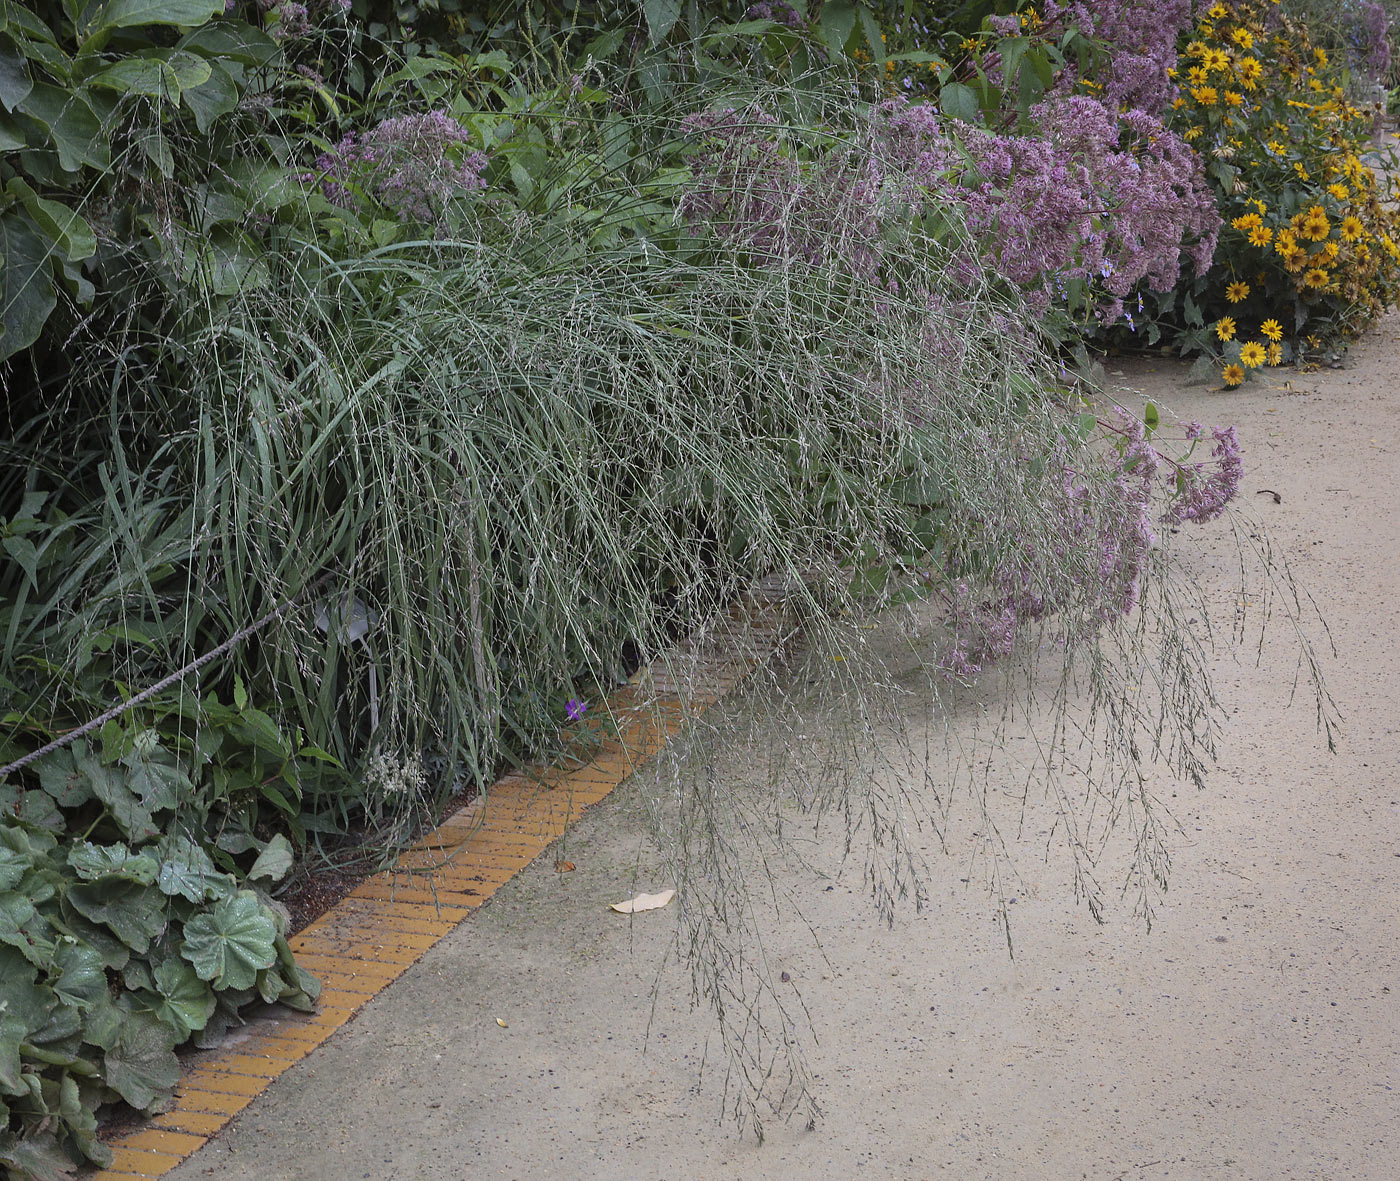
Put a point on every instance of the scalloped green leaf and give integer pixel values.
(21, 994)
(60, 777)
(158, 779)
(187, 871)
(12, 1032)
(231, 943)
(13, 867)
(135, 913)
(141, 1065)
(91, 862)
(185, 1001)
(24, 929)
(81, 979)
(37, 1158)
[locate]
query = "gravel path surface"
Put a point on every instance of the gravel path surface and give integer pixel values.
(1254, 1032)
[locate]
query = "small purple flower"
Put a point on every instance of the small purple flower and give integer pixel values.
(575, 709)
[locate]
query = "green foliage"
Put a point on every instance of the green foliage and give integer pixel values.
(109, 959)
(98, 102)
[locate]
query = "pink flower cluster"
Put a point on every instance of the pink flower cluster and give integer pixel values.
(412, 165)
(1110, 518)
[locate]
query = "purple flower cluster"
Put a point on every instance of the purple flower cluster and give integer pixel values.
(1368, 38)
(412, 165)
(750, 188)
(1108, 514)
(1113, 198)
(1141, 37)
(777, 12)
(1116, 199)
(1203, 494)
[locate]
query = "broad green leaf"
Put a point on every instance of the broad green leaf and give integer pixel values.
(836, 23)
(127, 14)
(15, 82)
(158, 779)
(134, 912)
(36, 1158)
(21, 549)
(139, 75)
(21, 994)
(27, 295)
(12, 1032)
(216, 96)
(959, 102)
(186, 1002)
(24, 929)
(231, 943)
(115, 954)
(13, 867)
(141, 1065)
(870, 27)
(91, 862)
(11, 134)
(191, 70)
(233, 40)
(72, 124)
(274, 861)
(187, 871)
(81, 980)
(60, 777)
(110, 786)
(81, 1120)
(661, 17)
(64, 225)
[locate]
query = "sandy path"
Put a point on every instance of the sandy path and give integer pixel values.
(1253, 1033)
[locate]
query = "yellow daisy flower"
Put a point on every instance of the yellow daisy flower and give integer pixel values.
(1253, 354)
(1234, 98)
(1272, 329)
(1225, 328)
(1260, 236)
(1276, 354)
(1315, 279)
(1237, 292)
(1315, 225)
(1243, 38)
(1339, 190)
(1232, 376)
(1247, 221)
(1352, 229)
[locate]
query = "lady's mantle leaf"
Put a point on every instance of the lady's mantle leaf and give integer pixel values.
(135, 912)
(95, 861)
(141, 1065)
(231, 943)
(186, 1002)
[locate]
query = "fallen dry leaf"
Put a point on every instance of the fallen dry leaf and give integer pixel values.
(643, 902)
(501, 1021)
(563, 867)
